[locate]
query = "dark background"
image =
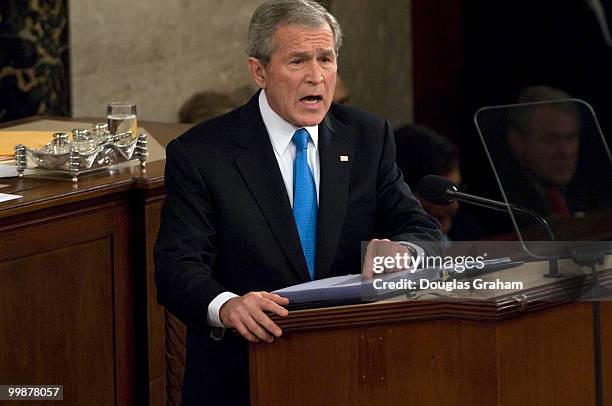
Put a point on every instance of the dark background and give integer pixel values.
(471, 53)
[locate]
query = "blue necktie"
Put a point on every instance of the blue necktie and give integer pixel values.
(305, 199)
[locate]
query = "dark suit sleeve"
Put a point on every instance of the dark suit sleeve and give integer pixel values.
(400, 215)
(185, 247)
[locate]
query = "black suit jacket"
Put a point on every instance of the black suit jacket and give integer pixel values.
(227, 224)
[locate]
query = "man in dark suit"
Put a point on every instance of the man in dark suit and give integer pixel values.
(543, 147)
(275, 193)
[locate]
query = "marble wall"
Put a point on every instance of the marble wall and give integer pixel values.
(156, 53)
(376, 60)
(159, 53)
(34, 71)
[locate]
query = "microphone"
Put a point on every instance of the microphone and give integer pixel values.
(433, 189)
(439, 190)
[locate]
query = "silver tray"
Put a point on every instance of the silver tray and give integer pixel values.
(83, 156)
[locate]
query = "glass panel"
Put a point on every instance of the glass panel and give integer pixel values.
(550, 158)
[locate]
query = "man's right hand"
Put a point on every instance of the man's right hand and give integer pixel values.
(246, 314)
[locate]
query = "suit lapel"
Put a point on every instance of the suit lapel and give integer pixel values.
(258, 167)
(335, 158)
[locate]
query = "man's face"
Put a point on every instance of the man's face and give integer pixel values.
(549, 150)
(300, 77)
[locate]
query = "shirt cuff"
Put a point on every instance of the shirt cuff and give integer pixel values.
(214, 307)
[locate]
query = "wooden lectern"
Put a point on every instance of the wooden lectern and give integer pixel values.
(520, 348)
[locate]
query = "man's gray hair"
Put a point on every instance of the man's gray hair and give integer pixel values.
(270, 15)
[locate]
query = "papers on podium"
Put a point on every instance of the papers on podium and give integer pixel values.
(352, 289)
(349, 289)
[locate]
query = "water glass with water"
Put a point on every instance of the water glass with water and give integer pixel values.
(121, 118)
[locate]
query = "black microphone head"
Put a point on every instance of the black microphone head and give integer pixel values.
(433, 189)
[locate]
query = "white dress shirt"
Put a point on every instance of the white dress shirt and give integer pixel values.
(280, 133)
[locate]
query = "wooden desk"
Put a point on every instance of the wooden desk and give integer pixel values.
(76, 283)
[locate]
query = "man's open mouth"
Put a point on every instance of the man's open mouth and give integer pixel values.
(312, 99)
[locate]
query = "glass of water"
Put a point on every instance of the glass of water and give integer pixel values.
(121, 118)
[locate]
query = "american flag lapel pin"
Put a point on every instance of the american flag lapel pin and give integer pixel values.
(344, 158)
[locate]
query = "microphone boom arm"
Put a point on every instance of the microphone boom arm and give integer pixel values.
(453, 193)
(500, 206)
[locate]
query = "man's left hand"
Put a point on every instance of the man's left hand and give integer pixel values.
(383, 248)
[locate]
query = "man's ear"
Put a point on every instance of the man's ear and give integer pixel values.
(258, 72)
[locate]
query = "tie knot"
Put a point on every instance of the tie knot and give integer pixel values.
(300, 139)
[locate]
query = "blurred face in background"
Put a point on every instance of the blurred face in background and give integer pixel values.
(549, 147)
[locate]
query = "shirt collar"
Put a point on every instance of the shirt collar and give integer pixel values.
(279, 130)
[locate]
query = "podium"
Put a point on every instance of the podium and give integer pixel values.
(527, 347)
